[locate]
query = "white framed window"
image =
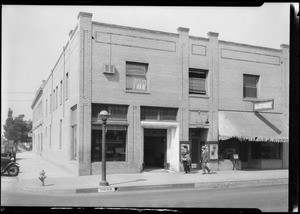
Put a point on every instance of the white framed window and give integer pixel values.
(136, 76)
(250, 86)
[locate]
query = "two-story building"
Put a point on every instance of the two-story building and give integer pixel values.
(163, 90)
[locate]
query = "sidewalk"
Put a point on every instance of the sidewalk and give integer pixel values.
(60, 181)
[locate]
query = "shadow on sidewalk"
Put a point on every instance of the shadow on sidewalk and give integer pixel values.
(130, 181)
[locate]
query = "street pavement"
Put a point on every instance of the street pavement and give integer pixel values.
(61, 181)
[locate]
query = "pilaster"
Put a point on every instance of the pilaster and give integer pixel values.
(285, 75)
(183, 51)
(85, 92)
(213, 79)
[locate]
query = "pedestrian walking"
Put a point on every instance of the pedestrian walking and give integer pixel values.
(186, 159)
(205, 159)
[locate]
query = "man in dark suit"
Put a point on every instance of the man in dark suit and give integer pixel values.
(205, 159)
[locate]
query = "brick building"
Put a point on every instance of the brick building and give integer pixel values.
(163, 90)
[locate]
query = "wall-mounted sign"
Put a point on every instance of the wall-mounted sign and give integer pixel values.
(263, 105)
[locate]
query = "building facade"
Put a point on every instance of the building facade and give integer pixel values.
(163, 91)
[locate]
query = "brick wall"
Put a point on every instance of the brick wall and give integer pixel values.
(169, 56)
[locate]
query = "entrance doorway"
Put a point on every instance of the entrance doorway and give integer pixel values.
(155, 148)
(198, 137)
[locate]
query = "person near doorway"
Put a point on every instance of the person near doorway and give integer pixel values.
(186, 159)
(205, 160)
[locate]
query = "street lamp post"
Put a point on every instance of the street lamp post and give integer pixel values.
(103, 115)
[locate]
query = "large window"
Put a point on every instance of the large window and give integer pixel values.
(197, 81)
(250, 83)
(136, 76)
(115, 143)
(157, 113)
(260, 150)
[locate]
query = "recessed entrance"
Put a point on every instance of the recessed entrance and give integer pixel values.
(155, 147)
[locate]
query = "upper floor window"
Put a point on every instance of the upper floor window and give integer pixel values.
(250, 83)
(197, 81)
(136, 76)
(157, 113)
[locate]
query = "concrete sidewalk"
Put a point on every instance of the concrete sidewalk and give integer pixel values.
(60, 181)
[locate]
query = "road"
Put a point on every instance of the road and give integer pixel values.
(265, 198)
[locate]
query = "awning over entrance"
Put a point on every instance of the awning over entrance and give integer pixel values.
(252, 126)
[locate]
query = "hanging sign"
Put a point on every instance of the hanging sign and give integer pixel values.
(263, 105)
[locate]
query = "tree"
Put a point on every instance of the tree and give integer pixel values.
(17, 128)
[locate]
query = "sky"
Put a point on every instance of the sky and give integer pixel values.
(33, 36)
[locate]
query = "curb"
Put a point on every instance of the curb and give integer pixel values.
(200, 185)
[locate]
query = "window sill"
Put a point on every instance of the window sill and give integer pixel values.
(250, 99)
(137, 92)
(199, 96)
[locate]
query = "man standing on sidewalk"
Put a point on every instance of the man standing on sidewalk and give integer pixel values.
(205, 159)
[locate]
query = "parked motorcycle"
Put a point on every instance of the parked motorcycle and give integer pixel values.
(7, 165)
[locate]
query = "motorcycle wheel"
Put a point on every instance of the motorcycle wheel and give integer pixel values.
(13, 170)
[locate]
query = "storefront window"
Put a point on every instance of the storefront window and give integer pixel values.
(115, 143)
(228, 148)
(265, 150)
(255, 150)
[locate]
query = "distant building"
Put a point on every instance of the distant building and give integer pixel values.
(163, 90)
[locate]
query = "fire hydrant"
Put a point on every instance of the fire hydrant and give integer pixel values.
(43, 177)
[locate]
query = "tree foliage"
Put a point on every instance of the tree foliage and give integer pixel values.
(16, 128)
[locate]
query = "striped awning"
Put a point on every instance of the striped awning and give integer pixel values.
(265, 127)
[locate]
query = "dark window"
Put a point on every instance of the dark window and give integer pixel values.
(115, 143)
(154, 113)
(262, 150)
(197, 81)
(136, 76)
(250, 86)
(168, 114)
